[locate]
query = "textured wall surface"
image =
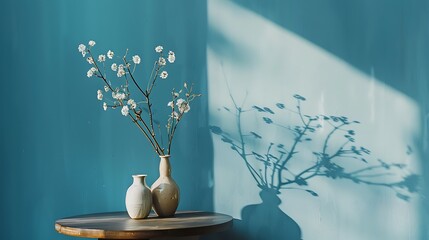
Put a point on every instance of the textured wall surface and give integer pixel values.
(251, 146)
(287, 82)
(61, 154)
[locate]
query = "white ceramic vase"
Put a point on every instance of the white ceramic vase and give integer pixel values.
(165, 192)
(138, 199)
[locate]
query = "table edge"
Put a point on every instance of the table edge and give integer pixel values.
(136, 234)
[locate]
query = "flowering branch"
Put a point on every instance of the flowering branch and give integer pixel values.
(121, 95)
(151, 130)
(131, 75)
(183, 107)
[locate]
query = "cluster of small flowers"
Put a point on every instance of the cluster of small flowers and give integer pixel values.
(118, 95)
(121, 95)
(82, 48)
(181, 104)
(99, 95)
(121, 70)
(131, 104)
(91, 72)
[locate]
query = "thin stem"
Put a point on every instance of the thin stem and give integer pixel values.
(146, 94)
(154, 78)
(149, 107)
(161, 150)
(145, 134)
(173, 131)
(132, 77)
(151, 74)
(98, 69)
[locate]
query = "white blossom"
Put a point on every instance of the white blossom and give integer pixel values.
(114, 67)
(91, 43)
(90, 60)
(185, 108)
(176, 94)
(162, 61)
(170, 104)
(99, 95)
(125, 110)
(136, 59)
(171, 57)
(118, 96)
(110, 54)
(105, 106)
(183, 105)
(81, 48)
(91, 72)
(102, 58)
(121, 72)
(180, 101)
(159, 49)
(164, 75)
(132, 103)
(185, 85)
(106, 88)
(174, 115)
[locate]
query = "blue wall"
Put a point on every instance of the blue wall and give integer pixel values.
(364, 60)
(62, 155)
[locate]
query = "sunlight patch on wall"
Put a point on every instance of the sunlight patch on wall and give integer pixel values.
(262, 65)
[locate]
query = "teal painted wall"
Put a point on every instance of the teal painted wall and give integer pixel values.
(62, 155)
(364, 60)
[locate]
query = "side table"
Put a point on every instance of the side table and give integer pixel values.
(118, 225)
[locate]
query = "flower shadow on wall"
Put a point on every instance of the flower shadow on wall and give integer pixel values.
(283, 167)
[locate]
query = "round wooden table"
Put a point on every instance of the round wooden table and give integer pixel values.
(118, 225)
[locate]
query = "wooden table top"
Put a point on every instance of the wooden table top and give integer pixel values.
(118, 225)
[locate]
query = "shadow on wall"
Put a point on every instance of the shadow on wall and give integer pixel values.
(368, 35)
(280, 166)
(265, 54)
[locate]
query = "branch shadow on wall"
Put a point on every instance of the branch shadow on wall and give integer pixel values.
(281, 167)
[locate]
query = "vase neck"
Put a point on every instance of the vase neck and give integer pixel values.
(164, 166)
(139, 179)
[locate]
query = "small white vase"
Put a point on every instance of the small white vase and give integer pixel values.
(138, 199)
(165, 192)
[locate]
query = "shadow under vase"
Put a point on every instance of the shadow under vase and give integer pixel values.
(262, 221)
